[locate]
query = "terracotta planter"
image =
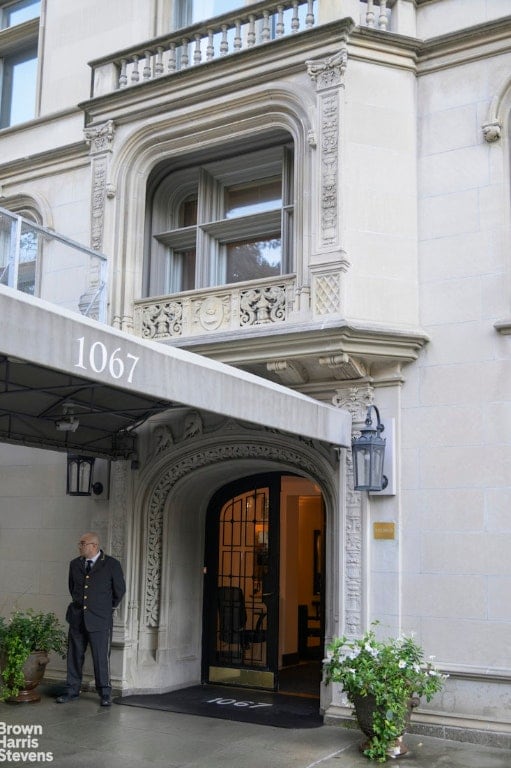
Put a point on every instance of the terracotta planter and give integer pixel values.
(365, 707)
(33, 669)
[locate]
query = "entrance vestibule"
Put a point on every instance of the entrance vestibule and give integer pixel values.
(264, 584)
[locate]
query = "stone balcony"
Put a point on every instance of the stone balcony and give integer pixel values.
(266, 303)
(250, 26)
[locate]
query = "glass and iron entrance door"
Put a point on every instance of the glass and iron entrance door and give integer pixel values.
(241, 584)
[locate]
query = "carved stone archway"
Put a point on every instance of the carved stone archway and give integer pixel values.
(305, 457)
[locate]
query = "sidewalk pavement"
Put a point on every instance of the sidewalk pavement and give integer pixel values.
(84, 735)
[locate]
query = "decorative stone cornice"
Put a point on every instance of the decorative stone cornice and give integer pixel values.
(503, 327)
(343, 366)
(288, 372)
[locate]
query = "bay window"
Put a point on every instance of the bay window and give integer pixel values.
(225, 221)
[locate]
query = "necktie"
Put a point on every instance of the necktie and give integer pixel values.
(88, 566)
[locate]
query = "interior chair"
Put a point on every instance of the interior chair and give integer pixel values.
(232, 619)
(232, 615)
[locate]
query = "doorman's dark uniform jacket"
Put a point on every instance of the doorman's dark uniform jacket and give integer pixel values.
(95, 595)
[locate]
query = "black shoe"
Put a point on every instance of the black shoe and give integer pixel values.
(66, 698)
(106, 701)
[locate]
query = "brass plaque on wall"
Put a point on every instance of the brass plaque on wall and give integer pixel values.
(384, 530)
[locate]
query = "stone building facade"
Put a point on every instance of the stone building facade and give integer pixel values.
(315, 193)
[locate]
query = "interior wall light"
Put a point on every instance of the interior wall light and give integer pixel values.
(368, 452)
(79, 476)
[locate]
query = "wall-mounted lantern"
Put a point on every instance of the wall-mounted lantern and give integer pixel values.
(368, 454)
(79, 476)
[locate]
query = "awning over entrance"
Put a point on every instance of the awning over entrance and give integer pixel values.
(70, 383)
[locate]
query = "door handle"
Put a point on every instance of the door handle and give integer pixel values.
(267, 594)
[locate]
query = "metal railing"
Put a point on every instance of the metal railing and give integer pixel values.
(40, 262)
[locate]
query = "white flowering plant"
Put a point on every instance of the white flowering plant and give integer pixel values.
(393, 672)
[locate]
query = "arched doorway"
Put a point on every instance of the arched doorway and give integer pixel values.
(264, 584)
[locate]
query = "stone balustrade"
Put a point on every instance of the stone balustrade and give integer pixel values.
(267, 302)
(249, 26)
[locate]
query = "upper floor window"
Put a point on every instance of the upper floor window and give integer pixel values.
(222, 222)
(18, 60)
(20, 248)
(18, 12)
(190, 11)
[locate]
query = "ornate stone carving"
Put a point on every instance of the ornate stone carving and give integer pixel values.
(183, 467)
(327, 294)
(119, 505)
(162, 438)
(162, 320)
(215, 310)
(492, 131)
(327, 73)
(355, 400)
(329, 112)
(288, 372)
(343, 366)
(100, 137)
(99, 173)
(193, 425)
(212, 312)
(328, 77)
(263, 305)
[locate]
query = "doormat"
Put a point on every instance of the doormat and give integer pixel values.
(245, 706)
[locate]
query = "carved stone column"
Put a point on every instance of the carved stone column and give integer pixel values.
(118, 525)
(100, 140)
(329, 263)
(354, 399)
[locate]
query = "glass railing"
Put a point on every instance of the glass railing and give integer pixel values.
(40, 262)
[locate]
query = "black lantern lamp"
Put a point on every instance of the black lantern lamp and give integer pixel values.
(368, 452)
(79, 476)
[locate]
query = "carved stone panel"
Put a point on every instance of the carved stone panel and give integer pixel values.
(328, 75)
(355, 400)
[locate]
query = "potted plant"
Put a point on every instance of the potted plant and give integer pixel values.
(382, 679)
(26, 638)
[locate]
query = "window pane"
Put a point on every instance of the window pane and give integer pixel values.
(187, 215)
(27, 260)
(23, 10)
(182, 271)
(254, 198)
(19, 88)
(207, 9)
(253, 259)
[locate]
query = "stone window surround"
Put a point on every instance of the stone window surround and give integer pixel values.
(211, 230)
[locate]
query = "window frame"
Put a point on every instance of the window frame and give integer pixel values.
(213, 231)
(29, 215)
(15, 41)
(6, 4)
